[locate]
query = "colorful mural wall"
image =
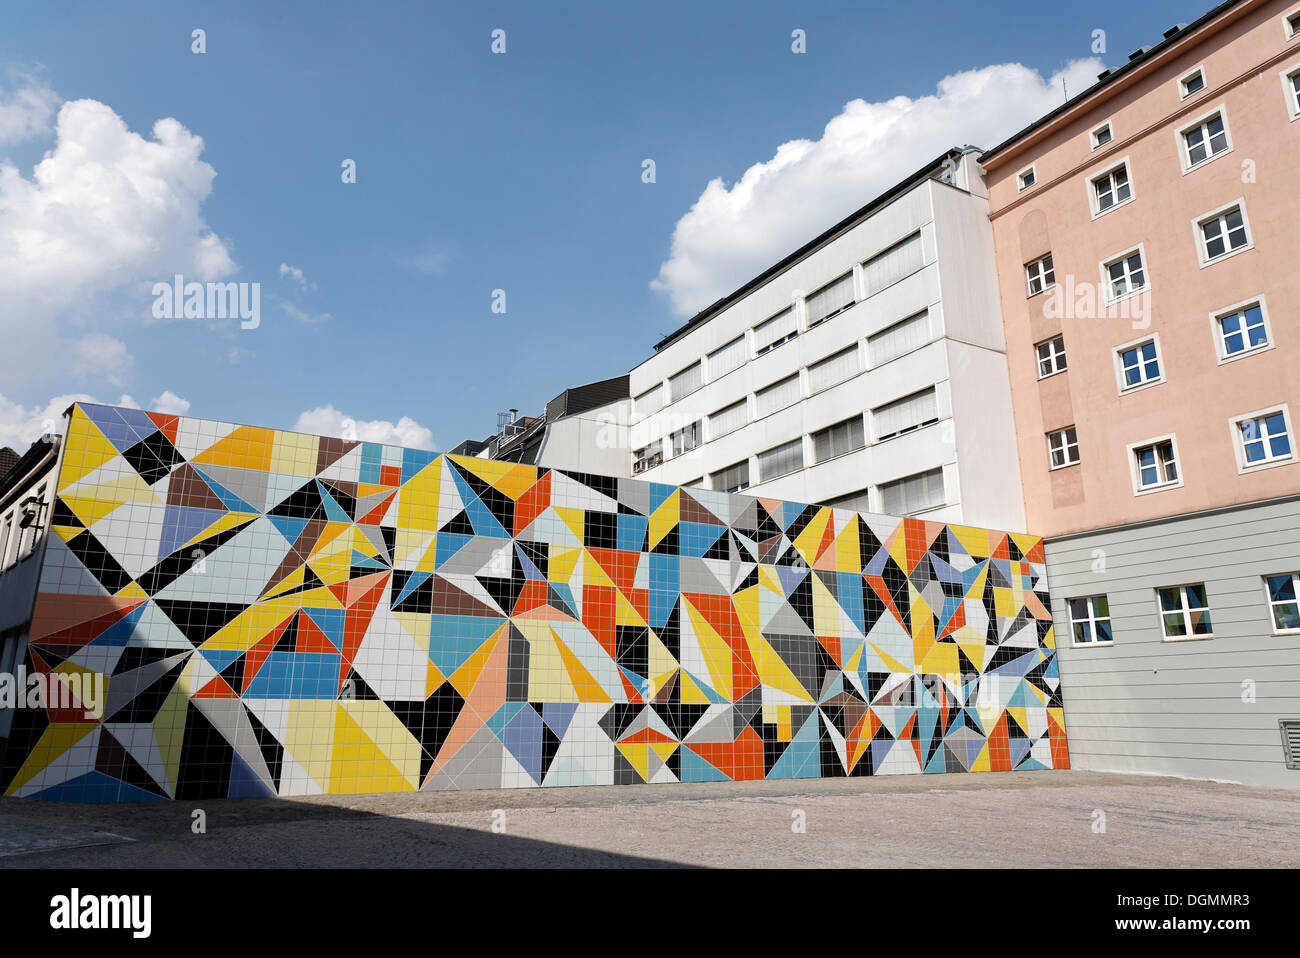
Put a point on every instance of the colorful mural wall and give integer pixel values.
(248, 612)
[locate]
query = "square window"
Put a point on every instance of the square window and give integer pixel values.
(1111, 189)
(1242, 331)
(1063, 447)
(1040, 275)
(1265, 439)
(1284, 601)
(1155, 464)
(1101, 136)
(1051, 357)
(1126, 275)
(1185, 612)
(1223, 233)
(1291, 88)
(1205, 140)
(1090, 620)
(1026, 178)
(1292, 24)
(1139, 365)
(1193, 83)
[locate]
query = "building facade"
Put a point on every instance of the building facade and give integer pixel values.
(866, 370)
(1143, 241)
(228, 611)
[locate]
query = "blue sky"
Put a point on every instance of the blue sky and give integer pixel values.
(476, 172)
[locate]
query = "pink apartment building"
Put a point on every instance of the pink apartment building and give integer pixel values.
(1145, 246)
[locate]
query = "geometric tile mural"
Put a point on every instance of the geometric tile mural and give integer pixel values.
(251, 612)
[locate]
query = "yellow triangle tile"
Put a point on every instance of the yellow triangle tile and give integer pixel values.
(85, 449)
(248, 447)
(848, 553)
(432, 679)
(664, 519)
(466, 677)
(573, 518)
(625, 612)
(517, 480)
(638, 756)
(131, 591)
(584, 683)
(54, 741)
(806, 542)
(773, 672)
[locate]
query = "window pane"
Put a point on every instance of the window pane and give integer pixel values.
(830, 299)
(1174, 624)
(834, 369)
(1104, 633)
(893, 264)
(727, 420)
(906, 414)
(778, 396)
(892, 342)
(914, 493)
(783, 459)
(685, 382)
(729, 357)
(1281, 588)
(836, 440)
(1169, 599)
(733, 478)
(777, 330)
(650, 402)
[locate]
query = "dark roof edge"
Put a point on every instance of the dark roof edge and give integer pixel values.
(884, 199)
(37, 451)
(1120, 71)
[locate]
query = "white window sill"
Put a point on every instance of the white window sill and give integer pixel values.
(1244, 468)
(1056, 373)
(1137, 388)
(1159, 487)
(1222, 256)
(1205, 162)
(1187, 638)
(1091, 645)
(1243, 353)
(1097, 214)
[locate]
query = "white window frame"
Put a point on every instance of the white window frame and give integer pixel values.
(636, 460)
(929, 338)
(1216, 330)
(1288, 29)
(671, 396)
(1239, 444)
(1090, 181)
(1092, 135)
(1021, 185)
(749, 477)
(835, 425)
(695, 429)
(856, 349)
(1065, 445)
(744, 358)
(1268, 599)
(1038, 359)
(1135, 474)
(1183, 93)
(744, 419)
(1092, 619)
(1180, 138)
(1186, 611)
(1104, 268)
(1289, 92)
(788, 338)
(1124, 389)
(1198, 228)
(853, 285)
(803, 463)
(1039, 274)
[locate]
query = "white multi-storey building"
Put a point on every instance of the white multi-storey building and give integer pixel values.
(866, 370)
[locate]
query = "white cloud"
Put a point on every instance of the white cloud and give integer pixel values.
(20, 425)
(106, 210)
(27, 108)
(328, 421)
(294, 273)
(431, 259)
(301, 315)
(732, 233)
(169, 403)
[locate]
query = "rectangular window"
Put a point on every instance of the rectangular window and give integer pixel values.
(1090, 620)
(650, 402)
(1051, 357)
(833, 369)
(1292, 24)
(1264, 439)
(1063, 447)
(1155, 464)
(904, 497)
(1284, 601)
(1101, 136)
(729, 357)
(727, 420)
(829, 300)
(1126, 275)
(1139, 365)
(893, 264)
(733, 478)
(1040, 274)
(685, 382)
(1026, 179)
(777, 396)
(1194, 82)
(1185, 611)
(781, 460)
(899, 339)
(836, 440)
(647, 457)
(4, 540)
(1204, 141)
(1111, 189)
(1291, 85)
(1242, 330)
(1223, 233)
(905, 415)
(686, 439)
(776, 331)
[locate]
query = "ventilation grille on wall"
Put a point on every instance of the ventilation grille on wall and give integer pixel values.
(1291, 742)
